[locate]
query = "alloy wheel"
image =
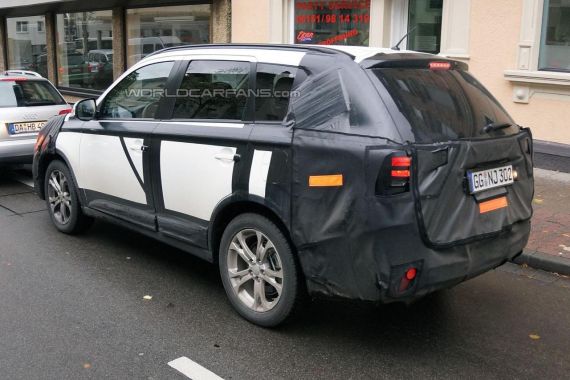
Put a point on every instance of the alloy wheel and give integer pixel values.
(59, 197)
(255, 270)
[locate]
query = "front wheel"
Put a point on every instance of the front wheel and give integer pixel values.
(63, 201)
(258, 270)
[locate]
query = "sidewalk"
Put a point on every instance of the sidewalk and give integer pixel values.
(549, 244)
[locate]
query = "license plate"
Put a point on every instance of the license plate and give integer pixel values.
(482, 180)
(31, 127)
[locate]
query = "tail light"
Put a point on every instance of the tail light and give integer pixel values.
(400, 170)
(408, 279)
(395, 174)
(440, 65)
(65, 111)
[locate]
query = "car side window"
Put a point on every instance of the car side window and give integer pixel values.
(274, 84)
(138, 95)
(213, 90)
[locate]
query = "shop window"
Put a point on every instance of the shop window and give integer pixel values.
(213, 90)
(424, 25)
(555, 39)
(152, 29)
(26, 44)
(80, 37)
(332, 22)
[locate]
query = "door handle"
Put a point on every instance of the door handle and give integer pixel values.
(138, 147)
(227, 157)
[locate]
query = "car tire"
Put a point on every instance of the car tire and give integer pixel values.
(62, 200)
(271, 272)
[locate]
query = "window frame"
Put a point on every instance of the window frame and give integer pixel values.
(148, 6)
(525, 76)
(375, 28)
(6, 44)
(160, 110)
(69, 90)
(542, 40)
(20, 27)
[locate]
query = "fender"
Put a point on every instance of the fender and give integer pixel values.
(226, 208)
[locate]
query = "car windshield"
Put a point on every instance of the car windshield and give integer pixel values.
(442, 105)
(26, 93)
(74, 59)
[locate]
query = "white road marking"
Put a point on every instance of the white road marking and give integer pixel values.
(192, 370)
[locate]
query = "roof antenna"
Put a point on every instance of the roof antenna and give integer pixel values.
(397, 47)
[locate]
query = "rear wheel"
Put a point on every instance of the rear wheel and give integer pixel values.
(63, 201)
(258, 270)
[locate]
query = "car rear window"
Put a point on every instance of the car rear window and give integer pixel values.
(442, 105)
(28, 93)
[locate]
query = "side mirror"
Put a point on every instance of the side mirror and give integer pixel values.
(85, 109)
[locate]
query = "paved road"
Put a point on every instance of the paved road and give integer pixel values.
(73, 308)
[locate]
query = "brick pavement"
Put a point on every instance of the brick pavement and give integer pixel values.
(551, 220)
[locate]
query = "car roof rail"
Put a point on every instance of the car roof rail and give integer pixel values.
(22, 72)
(314, 48)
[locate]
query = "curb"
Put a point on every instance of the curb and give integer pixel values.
(544, 261)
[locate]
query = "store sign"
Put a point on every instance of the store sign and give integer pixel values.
(332, 22)
(306, 37)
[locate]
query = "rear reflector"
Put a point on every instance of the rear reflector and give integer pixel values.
(439, 65)
(333, 180)
(65, 111)
(400, 173)
(411, 273)
(493, 204)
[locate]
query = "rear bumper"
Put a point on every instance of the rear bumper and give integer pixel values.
(17, 151)
(371, 266)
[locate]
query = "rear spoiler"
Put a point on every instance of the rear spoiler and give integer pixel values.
(413, 61)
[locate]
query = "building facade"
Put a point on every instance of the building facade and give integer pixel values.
(520, 49)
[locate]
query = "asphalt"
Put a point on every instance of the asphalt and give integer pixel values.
(73, 307)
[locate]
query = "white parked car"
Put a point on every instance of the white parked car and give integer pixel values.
(27, 101)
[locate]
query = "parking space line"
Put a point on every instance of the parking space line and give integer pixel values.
(192, 370)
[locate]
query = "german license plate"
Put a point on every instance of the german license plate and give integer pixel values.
(481, 180)
(31, 127)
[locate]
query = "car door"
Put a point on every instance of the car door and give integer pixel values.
(199, 154)
(114, 163)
